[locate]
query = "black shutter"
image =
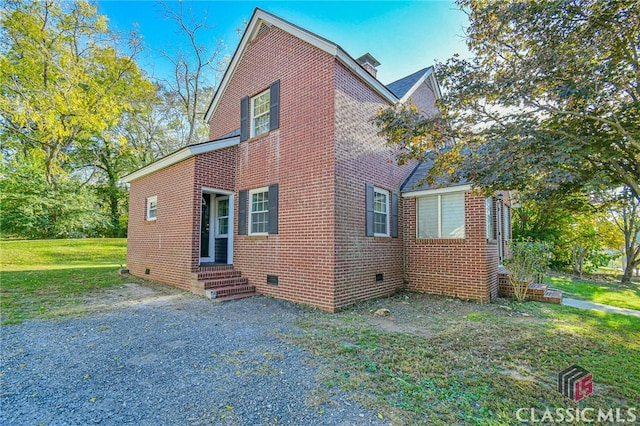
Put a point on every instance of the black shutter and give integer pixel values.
(274, 105)
(369, 209)
(244, 119)
(273, 208)
(242, 213)
(394, 214)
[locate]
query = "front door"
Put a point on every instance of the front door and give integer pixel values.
(221, 231)
(205, 225)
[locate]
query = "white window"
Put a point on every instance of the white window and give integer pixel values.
(506, 219)
(489, 215)
(260, 113)
(152, 208)
(441, 216)
(222, 216)
(259, 211)
(380, 212)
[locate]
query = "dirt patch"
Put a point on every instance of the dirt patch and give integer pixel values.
(131, 294)
(390, 324)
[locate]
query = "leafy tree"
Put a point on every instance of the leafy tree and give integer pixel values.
(550, 102)
(31, 208)
(66, 85)
(577, 228)
(626, 214)
(62, 78)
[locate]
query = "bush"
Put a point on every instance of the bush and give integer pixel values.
(529, 260)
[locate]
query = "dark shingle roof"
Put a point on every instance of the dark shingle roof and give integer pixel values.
(232, 134)
(402, 86)
(415, 181)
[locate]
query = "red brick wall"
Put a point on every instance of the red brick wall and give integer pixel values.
(298, 156)
(362, 157)
(424, 98)
(464, 268)
(170, 246)
(164, 246)
(214, 170)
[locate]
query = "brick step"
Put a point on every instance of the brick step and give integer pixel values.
(215, 275)
(537, 289)
(214, 268)
(224, 282)
(230, 291)
(552, 296)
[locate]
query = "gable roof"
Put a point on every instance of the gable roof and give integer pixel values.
(230, 139)
(260, 17)
(405, 87)
(415, 184)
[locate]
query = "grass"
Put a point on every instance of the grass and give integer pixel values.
(438, 361)
(606, 292)
(41, 279)
(433, 361)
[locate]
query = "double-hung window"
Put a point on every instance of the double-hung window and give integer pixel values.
(152, 208)
(259, 211)
(380, 212)
(441, 216)
(490, 218)
(506, 220)
(260, 113)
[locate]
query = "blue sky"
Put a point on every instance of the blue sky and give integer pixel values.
(403, 36)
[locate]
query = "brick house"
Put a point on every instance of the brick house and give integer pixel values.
(296, 196)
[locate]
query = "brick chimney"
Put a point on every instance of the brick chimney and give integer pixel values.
(369, 63)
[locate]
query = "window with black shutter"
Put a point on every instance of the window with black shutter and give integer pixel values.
(261, 113)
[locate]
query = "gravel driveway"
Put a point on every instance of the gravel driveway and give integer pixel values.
(166, 358)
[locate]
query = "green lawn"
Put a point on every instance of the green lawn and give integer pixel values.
(608, 293)
(441, 361)
(41, 278)
(435, 360)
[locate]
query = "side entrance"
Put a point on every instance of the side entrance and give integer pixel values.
(216, 227)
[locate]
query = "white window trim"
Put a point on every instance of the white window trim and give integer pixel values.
(251, 192)
(153, 199)
(217, 218)
(439, 197)
(489, 203)
(386, 193)
(253, 117)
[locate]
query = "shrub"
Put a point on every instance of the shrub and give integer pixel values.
(529, 260)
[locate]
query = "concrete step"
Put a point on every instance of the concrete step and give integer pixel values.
(229, 291)
(224, 282)
(234, 297)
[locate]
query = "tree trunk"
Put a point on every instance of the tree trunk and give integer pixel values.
(579, 254)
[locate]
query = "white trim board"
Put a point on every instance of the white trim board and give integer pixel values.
(437, 191)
